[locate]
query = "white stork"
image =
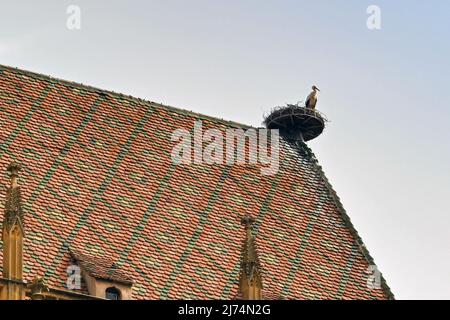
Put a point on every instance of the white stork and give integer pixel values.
(311, 100)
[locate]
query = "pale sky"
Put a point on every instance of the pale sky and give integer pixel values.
(385, 151)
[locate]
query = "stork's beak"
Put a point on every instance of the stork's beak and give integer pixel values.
(317, 89)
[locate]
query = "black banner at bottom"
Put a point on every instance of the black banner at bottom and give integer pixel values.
(224, 309)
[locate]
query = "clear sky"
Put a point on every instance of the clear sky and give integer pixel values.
(387, 94)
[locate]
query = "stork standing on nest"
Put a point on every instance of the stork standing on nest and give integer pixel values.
(311, 100)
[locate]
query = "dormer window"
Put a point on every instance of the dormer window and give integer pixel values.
(103, 278)
(112, 293)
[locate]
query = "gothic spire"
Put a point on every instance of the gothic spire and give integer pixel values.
(13, 202)
(250, 282)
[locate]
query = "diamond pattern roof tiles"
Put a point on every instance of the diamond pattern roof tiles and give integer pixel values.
(97, 175)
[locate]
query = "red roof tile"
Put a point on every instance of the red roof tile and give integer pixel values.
(97, 175)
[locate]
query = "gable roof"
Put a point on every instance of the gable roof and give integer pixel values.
(97, 175)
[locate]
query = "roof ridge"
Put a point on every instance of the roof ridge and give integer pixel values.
(361, 246)
(123, 96)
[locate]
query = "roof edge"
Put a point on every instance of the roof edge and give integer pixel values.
(362, 247)
(123, 96)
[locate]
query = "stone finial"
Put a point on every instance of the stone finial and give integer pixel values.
(249, 256)
(250, 282)
(13, 170)
(13, 200)
(38, 289)
(247, 221)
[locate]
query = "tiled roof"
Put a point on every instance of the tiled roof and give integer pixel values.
(97, 175)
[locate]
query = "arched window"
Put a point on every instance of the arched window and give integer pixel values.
(112, 293)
